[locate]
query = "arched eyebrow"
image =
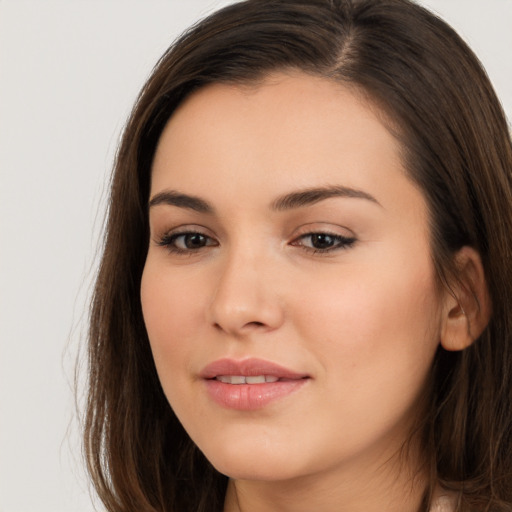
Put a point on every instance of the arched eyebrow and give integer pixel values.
(311, 196)
(173, 198)
(290, 201)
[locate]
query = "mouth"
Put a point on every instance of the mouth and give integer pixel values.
(250, 384)
(246, 379)
(249, 371)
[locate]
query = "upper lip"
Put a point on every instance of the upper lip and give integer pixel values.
(248, 367)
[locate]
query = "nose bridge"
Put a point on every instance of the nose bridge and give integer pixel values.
(244, 297)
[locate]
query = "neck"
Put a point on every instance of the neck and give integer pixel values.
(382, 488)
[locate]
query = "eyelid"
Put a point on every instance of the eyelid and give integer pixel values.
(343, 240)
(183, 229)
(167, 238)
(323, 227)
(340, 242)
(174, 236)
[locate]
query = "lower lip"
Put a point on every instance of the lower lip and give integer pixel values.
(250, 397)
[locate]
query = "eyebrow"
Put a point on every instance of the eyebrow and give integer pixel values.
(173, 198)
(298, 199)
(311, 196)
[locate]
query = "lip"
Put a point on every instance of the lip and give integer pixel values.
(249, 397)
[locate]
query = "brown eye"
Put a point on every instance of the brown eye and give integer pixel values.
(189, 241)
(323, 242)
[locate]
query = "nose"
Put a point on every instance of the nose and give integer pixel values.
(246, 297)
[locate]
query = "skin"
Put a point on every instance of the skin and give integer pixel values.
(362, 320)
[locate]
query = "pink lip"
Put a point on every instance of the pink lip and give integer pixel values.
(248, 397)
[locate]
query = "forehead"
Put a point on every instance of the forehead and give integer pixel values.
(289, 130)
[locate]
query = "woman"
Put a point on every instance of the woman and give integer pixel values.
(304, 297)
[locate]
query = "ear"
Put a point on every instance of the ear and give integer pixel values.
(467, 304)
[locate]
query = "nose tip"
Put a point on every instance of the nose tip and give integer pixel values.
(237, 321)
(245, 301)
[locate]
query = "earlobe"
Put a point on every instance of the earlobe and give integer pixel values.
(467, 306)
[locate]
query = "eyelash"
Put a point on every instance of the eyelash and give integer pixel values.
(169, 242)
(338, 242)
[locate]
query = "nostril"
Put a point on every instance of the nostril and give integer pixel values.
(247, 327)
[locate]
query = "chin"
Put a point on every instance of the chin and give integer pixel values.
(263, 471)
(250, 461)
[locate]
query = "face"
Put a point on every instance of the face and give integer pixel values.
(288, 293)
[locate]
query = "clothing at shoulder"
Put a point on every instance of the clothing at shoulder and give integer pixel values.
(443, 502)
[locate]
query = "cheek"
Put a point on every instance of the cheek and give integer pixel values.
(375, 340)
(377, 327)
(172, 312)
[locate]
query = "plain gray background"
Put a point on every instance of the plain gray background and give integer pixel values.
(69, 73)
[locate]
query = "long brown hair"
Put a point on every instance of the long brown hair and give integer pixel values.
(457, 148)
